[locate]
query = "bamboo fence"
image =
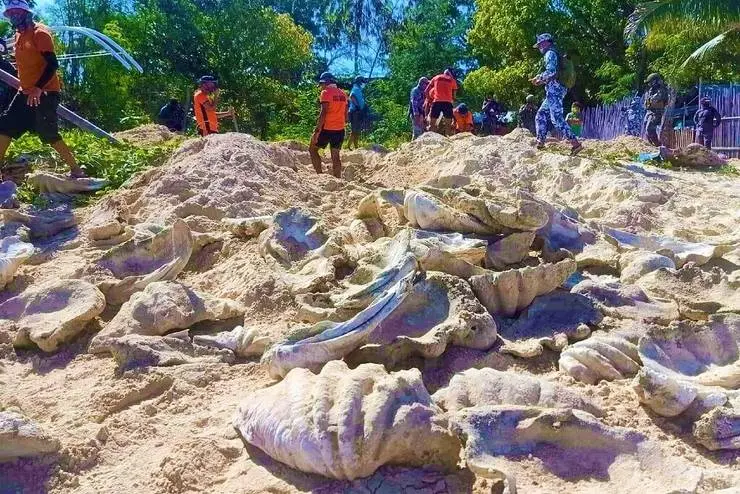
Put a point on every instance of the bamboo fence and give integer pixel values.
(609, 121)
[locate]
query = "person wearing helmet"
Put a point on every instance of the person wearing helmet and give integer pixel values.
(656, 100)
(205, 101)
(706, 120)
(463, 119)
(330, 124)
(416, 108)
(357, 112)
(552, 107)
(34, 106)
(528, 114)
(443, 90)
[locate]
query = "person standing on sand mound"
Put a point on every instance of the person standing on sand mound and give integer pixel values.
(330, 124)
(557, 77)
(34, 106)
(205, 100)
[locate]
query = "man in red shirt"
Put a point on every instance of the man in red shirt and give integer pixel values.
(34, 107)
(204, 105)
(444, 89)
(330, 124)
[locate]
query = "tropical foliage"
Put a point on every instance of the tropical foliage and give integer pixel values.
(267, 53)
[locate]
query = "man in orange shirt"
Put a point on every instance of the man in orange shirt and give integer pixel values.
(330, 124)
(463, 119)
(34, 107)
(204, 105)
(444, 89)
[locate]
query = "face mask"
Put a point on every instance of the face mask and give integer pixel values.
(19, 21)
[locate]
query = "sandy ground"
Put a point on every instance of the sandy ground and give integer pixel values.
(169, 430)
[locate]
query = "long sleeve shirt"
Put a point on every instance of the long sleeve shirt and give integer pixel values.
(551, 67)
(416, 101)
(707, 118)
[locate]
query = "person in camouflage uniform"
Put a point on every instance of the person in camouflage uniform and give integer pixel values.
(528, 114)
(706, 120)
(634, 112)
(552, 107)
(655, 103)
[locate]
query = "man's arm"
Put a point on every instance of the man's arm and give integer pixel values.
(428, 90)
(551, 68)
(52, 64)
(717, 118)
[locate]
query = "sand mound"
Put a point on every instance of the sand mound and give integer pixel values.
(638, 198)
(146, 135)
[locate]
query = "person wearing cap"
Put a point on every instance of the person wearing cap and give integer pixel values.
(706, 120)
(357, 112)
(463, 119)
(552, 107)
(205, 100)
(528, 114)
(34, 106)
(656, 101)
(330, 124)
(443, 90)
(416, 108)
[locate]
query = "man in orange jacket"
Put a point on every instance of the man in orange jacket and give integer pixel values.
(463, 119)
(34, 107)
(330, 126)
(204, 105)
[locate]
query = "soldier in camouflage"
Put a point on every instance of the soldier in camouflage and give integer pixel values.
(552, 106)
(635, 116)
(706, 120)
(655, 102)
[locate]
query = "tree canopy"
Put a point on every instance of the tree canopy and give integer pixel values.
(268, 53)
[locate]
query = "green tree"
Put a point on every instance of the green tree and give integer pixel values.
(722, 15)
(589, 31)
(430, 38)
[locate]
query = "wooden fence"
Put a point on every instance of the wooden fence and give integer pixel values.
(609, 121)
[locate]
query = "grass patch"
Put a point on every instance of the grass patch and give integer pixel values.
(114, 163)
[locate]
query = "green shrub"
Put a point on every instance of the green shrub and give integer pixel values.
(116, 164)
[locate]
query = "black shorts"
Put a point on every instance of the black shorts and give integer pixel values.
(355, 120)
(441, 108)
(334, 138)
(42, 120)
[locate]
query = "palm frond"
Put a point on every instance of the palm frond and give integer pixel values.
(646, 14)
(709, 46)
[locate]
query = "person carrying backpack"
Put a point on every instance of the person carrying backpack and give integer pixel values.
(558, 77)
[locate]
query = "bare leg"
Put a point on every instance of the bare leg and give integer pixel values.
(336, 163)
(4, 145)
(313, 151)
(66, 154)
(433, 124)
